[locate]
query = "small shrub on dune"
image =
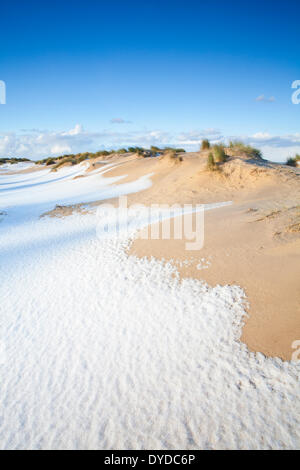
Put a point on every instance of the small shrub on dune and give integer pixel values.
(103, 153)
(13, 160)
(205, 144)
(177, 150)
(171, 153)
(138, 150)
(50, 161)
(81, 158)
(241, 147)
(291, 161)
(211, 164)
(219, 153)
(254, 152)
(65, 160)
(172, 156)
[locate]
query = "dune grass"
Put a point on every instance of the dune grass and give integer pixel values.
(211, 164)
(172, 155)
(219, 153)
(205, 145)
(245, 149)
(13, 160)
(293, 161)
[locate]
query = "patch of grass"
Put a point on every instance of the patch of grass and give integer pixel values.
(80, 159)
(294, 228)
(292, 161)
(177, 150)
(172, 155)
(240, 146)
(138, 150)
(74, 158)
(155, 149)
(71, 160)
(219, 153)
(102, 153)
(50, 161)
(205, 145)
(211, 164)
(270, 215)
(13, 160)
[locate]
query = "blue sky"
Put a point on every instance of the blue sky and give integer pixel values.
(88, 75)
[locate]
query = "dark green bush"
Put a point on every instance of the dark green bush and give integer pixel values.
(291, 161)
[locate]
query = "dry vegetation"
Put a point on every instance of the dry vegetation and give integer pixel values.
(293, 161)
(13, 161)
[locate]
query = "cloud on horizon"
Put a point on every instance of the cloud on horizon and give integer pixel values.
(40, 144)
(196, 137)
(263, 99)
(119, 121)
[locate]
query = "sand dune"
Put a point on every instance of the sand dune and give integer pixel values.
(261, 231)
(254, 244)
(104, 350)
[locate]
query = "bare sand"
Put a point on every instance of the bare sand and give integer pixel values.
(254, 243)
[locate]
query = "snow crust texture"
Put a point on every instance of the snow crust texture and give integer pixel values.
(104, 351)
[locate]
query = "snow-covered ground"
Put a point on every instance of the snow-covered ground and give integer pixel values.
(16, 166)
(101, 350)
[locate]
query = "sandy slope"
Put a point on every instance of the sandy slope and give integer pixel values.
(102, 350)
(254, 244)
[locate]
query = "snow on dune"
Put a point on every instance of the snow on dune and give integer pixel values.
(101, 350)
(32, 194)
(16, 166)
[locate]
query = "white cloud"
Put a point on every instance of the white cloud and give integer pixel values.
(274, 147)
(276, 141)
(37, 144)
(263, 99)
(40, 144)
(119, 121)
(78, 129)
(196, 137)
(60, 149)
